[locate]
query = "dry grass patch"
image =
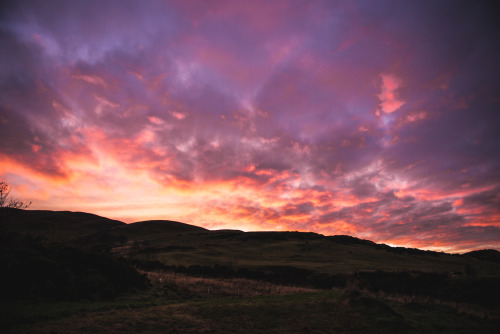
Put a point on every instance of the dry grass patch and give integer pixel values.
(161, 319)
(206, 287)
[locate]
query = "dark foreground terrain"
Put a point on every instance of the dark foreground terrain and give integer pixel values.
(66, 272)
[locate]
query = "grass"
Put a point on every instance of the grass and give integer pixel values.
(181, 244)
(322, 255)
(206, 287)
(304, 312)
(180, 303)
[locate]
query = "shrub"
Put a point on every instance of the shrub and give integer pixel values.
(36, 270)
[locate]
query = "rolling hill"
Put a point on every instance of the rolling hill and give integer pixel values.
(178, 244)
(56, 225)
(73, 261)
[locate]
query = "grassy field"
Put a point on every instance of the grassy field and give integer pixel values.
(203, 281)
(320, 254)
(192, 308)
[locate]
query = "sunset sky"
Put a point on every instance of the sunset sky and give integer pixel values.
(377, 119)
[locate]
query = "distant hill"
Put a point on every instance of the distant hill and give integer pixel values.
(60, 225)
(485, 254)
(156, 228)
(85, 229)
(183, 244)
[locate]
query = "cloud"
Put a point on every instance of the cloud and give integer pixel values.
(372, 120)
(389, 101)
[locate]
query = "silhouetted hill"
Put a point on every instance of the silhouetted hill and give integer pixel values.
(485, 254)
(285, 258)
(348, 240)
(183, 244)
(159, 227)
(55, 225)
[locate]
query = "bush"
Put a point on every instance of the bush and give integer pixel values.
(36, 270)
(483, 291)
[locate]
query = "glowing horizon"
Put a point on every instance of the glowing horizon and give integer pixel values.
(377, 120)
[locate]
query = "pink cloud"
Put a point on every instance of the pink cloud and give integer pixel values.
(95, 80)
(389, 100)
(177, 114)
(156, 120)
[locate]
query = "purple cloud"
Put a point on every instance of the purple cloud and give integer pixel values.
(377, 120)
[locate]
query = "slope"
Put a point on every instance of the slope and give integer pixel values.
(55, 225)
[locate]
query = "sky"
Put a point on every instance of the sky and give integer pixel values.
(376, 119)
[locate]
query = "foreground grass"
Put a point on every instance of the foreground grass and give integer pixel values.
(164, 310)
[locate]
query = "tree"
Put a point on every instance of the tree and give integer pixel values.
(6, 201)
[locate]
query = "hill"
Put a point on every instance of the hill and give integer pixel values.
(151, 229)
(56, 225)
(485, 254)
(59, 263)
(177, 244)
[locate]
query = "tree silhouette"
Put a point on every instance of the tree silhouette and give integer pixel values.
(6, 201)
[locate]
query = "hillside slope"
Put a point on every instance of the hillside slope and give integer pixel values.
(384, 288)
(153, 229)
(178, 244)
(55, 225)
